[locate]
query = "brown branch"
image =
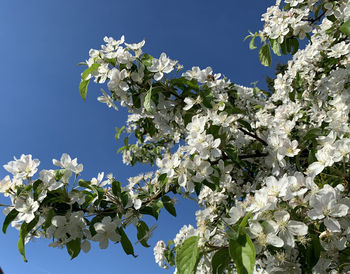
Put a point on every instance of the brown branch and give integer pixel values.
(253, 135)
(256, 155)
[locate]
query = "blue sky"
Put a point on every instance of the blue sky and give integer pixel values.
(41, 112)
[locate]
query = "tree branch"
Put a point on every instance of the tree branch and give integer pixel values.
(253, 135)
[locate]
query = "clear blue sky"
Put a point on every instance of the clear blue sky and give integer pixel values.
(41, 112)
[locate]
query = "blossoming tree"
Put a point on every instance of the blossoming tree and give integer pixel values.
(269, 169)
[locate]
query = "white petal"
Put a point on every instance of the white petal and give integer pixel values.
(287, 238)
(85, 246)
(281, 216)
(332, 224)
(158, 76)
(274, 240)
(103, 243)
(339, 210)
(315, 214)
(297, 228)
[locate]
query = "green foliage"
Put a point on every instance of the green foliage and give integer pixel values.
(126, 244)
(220, 261)
(147, 60)
(119, 132)
(242, 252)
(9, 218)
(187, 256)
(143, 233)
(73, 248)
(265, 55)
(168, 205)
(345, 28)
(96, 189)
(25, 229)
(116, 188)
(84, 82)
(311, 252)
(207, 97)
(275, 46)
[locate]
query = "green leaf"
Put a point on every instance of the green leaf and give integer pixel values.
(234, 110)
(48, 218)
(265, 55)
(119, 132)
(220, 261)
(89, 70)
(84, 82)
(143, 233)
(207, 97)
(147, 60)
(157, 206)
(251, 43)
(147, 103)
(313, 134)
(244, 221)
(187, 256)
(37, 189)
(125, 198)
(209, 184)
(86, 184)
(169, 206)
(73, 248)
(147, 210)
(245, 124)
(136, 100)
(292, 45)
(345, 28)
(9, 218)
(163, 179)
(313, 251)
(59, 173)
(232, 154)
(99, 191)
(126, 244)
(242, 252)
(83, 88)
(275, 46)
(25, 229)
(116, 188)
(284, 47)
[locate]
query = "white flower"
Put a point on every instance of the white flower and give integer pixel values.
(276, 188)
(161, 66)
(98, 181)
(159, 256)
(339, 49)
(263, 237)
(48, 178)
(184, 233)
(106, 230)
(67, 163)
(26, 206)
(116, 83)
(6, 186)
(325, 206)
(287, 148)
(262, 201)
(23, 167)
(105, 98)
(235, 213)
(288, 229)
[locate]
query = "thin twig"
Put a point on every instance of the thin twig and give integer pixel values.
(253, 135)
